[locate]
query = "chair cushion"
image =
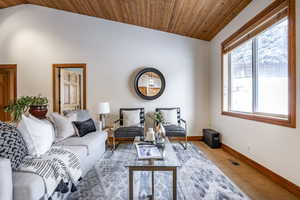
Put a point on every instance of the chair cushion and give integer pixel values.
(91, 141)
(175, 131)
(128, 132)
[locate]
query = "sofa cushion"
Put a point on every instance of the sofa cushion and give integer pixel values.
(82, 115)
(27, 186)
(84, 127)
(90, 141)
(64, 126)
(38, 135)
(129, 132)
(12, 145)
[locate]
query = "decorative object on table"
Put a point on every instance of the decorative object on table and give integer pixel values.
(150, 135)
(211, 138)
(36, 105)
(160, 130)
(149, 83)
(146, 151)
(173, 123)
(159, 121)
(158, 117)
(103, 109)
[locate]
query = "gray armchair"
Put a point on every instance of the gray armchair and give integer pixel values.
(175, 130)
(121, 131)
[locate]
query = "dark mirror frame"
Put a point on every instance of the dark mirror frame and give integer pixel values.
(138, 76)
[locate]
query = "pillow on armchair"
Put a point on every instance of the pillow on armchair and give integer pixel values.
(170, 116)
(131, 118)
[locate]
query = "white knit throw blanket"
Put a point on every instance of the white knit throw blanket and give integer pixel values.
(57, 164)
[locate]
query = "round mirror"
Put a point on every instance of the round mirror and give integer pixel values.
(149, 83)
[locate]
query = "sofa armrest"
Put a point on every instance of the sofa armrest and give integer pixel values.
(6, 186)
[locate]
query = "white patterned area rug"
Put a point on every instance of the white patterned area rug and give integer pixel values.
(198, 178)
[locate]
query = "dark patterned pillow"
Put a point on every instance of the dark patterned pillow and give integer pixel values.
(84, 127)
(12, 145)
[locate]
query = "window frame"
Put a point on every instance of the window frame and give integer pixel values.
(244, 34)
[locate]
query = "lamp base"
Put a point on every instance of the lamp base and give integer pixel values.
(102, 119)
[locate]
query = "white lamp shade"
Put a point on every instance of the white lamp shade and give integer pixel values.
(103, 108)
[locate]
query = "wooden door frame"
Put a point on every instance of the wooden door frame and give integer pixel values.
(54, 80)
(14, 67)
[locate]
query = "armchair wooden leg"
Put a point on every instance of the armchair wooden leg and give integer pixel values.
(114, 144)
(185, 147)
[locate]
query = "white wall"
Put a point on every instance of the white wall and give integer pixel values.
(275, 147)
(35, 37)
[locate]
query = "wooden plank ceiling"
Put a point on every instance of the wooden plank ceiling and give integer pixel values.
(201, 19)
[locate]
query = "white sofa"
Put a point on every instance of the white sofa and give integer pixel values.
(28, 186)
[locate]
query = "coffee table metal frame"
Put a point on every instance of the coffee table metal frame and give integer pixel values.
(173, 169)
(152, 167)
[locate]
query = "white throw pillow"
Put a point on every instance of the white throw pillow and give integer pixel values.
(170, 116)
(64, 126)
(38, 135)
(131, 117)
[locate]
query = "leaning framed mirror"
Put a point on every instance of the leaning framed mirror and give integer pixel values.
(69, 87)
(149, 83)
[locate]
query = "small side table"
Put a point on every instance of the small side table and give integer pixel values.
(110, 132)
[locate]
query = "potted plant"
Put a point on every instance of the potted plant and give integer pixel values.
(37, 106)
(158, 117)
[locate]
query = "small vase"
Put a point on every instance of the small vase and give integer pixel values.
(38, 111)
(162, 130)
(150, 136)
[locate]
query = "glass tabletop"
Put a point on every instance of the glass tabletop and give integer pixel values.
(169, 157)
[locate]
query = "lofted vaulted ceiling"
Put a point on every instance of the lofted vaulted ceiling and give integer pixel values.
(201, 19)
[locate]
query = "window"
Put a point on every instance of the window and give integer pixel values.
(258, 66)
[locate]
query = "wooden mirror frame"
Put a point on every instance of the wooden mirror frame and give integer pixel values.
(55, 80)
(138, 76)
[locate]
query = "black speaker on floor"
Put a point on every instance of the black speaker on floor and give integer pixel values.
(212, 138)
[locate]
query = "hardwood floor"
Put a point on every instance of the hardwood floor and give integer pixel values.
(256, 185)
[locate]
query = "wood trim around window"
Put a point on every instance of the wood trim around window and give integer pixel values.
(267, 12)
(54, 67)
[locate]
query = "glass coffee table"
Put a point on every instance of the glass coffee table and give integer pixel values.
(168, 162)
